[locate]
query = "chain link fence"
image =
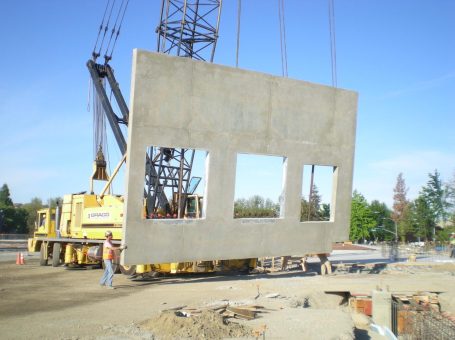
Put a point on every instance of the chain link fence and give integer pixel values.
(429, 252)
(14, 236)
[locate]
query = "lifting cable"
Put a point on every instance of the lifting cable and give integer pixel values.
(239, 11)
(121, 12)
(105, 27)
(333, 50)
(284, 54)
(94, 54)
(99, 124)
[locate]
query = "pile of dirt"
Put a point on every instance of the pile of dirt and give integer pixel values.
(206, 324)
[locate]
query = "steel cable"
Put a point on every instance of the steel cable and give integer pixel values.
(116, 31)
(283, 45)
(106, 27)
(239, 11)
(94, 54)
(333, 53)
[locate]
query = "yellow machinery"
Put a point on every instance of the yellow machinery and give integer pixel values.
(74, 235)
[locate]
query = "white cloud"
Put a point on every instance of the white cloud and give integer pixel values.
(421, 85)
(377, 179)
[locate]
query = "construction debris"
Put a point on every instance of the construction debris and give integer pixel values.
(272, 295)
(197, 324)
(244, 312)
(208, 322)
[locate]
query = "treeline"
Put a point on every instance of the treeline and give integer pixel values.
(257, 206)
(18, 218)
(313, 209)
(429, 217)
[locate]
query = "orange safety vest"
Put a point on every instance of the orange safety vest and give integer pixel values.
(108, 253)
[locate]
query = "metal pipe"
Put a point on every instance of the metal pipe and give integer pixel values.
(117, 168)
(216, 32)
(57, 219)
(182, 157)
(194, 28)
(311, 191)
(117, 94)
(182, 27)
(158, 29)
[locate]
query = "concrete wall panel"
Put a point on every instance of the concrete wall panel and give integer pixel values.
(179, 102)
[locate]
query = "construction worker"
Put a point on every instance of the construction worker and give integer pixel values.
(326, 266)
(284, 263)
(108, 257)
(452, 245)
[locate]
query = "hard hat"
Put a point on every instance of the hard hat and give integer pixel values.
(108, 233)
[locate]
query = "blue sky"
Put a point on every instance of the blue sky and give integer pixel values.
(398, 55)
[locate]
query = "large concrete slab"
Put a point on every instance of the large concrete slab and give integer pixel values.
(179, 102)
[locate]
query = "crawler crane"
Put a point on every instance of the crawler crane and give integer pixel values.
(73, 233)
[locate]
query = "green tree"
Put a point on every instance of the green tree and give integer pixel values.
(407, 226)
(7, 211)
(325, 211)
(32, 207)
(434, 194)
(52, 202)
(311, 210)
(5, 197)
(449, 189)
(362, 219)
(382, 217)
(424, 219)
(12, 219)
(20, 220)
(7, 219)
(255, 206)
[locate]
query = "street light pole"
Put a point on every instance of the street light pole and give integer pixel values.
(394, 249)
(396, 227)
(394, 222)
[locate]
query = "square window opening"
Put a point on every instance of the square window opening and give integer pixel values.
(317, 193)
(174, 183)
(259, 186)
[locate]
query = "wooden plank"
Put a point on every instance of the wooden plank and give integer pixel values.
(243, 313)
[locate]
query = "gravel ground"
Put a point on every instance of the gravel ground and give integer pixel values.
(57, 303)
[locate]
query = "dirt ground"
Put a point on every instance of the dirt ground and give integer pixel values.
(58, 303)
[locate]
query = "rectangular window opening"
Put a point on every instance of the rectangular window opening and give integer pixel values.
(174, 183)
(259, 186)
(317, 193)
